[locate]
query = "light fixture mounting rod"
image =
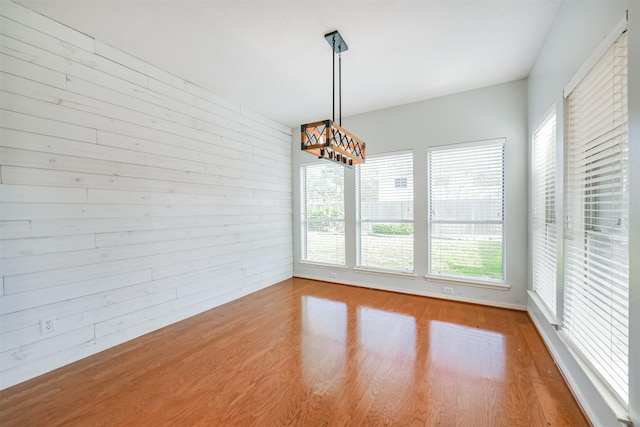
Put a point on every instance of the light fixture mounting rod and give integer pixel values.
(338, 45)
(340, 87)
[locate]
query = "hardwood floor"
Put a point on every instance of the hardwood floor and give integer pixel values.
(309, 353)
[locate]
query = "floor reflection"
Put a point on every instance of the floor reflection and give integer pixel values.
(377, 338)
(469, 351)
(324, 335)
(386, 331)
(387, 354)
(325, 317)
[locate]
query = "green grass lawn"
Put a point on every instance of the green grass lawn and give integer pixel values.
(393, 252)
(475, 258)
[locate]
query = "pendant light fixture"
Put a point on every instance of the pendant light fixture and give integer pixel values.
(327, 139)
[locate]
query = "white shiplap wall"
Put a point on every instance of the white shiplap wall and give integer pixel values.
(131, 199)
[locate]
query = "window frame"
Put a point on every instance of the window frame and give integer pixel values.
(305, 220)
(359, 266)
(460, 279)
(589, 231)
(550, 167)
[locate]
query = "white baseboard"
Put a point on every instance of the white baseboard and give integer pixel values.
(414, 292)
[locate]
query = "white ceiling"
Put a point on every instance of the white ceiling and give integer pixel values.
(271, 56)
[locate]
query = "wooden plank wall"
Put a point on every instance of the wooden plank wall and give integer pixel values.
(131, 199)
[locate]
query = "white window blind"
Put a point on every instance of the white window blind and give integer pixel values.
(596, 288)
(466, 210)
(384, 194)
(544, 239)
(322, 225)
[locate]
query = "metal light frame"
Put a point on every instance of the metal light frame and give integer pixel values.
(327, 139)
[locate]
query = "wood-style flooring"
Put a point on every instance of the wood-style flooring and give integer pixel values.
(308, 353)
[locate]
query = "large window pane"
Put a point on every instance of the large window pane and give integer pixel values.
(544, 241)
(322, 213)
(466, 210)
(384, 187)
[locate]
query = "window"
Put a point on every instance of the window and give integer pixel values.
(596, 232)
(466, 210)
(401, 182)
(544, 212)
(384, 192)
(322, 213)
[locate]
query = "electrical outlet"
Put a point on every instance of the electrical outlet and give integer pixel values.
(333, 275)
(447, 290)
(47, 324)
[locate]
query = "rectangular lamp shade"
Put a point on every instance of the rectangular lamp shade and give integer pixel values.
(328, 140)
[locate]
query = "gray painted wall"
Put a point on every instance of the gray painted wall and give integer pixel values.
(576, 32)
(488, 113)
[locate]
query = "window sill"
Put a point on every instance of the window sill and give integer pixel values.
(551, 319)
(468, 282)
(614, 404)
(406, 275)
(324, 265)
